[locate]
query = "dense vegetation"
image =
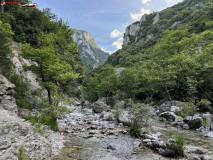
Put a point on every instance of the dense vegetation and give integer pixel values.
(47, 41)
(176, 64)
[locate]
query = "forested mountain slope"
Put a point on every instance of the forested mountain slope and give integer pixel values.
(167, 55)
(140, 36)
(91, 55)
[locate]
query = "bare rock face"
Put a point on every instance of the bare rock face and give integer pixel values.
(131, 30)
(16, 132)
(156, 18)
(7, 102)
(28, 76)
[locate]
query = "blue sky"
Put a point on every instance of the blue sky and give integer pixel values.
(105, 20)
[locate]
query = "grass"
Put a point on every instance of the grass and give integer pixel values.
(22, 155)
(135, 130)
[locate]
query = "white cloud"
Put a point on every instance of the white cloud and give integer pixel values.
(118, 43)
(137, 17)
(115, 33)
(110, 52)
(146, 1)
(169, 1)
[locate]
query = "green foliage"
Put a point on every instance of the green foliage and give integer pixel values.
(21, 91)
(178, 146)
(5, 34)
(103, 84)
(187, 109)
(205, 122)
(22, 155)
(55, 58)
(135, 130)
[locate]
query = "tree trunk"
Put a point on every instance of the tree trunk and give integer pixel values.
(49, 96)
(168, 93)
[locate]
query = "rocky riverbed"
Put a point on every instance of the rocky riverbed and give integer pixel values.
(93, 133)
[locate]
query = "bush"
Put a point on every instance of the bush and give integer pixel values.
(135, 130)
(178, 146)
(21, 91)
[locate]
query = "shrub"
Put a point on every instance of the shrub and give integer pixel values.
(178, 146)
(135, 130)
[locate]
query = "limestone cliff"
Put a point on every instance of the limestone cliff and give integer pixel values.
(91, 54)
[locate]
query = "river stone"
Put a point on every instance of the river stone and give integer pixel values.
(196, 122)
(124, 118)
(169, 116)
(187, 119)
(185, 126)
(167, 106)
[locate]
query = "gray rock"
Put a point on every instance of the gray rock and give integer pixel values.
(166, 106)
(195, 123)
(187, 119)
(185, 126)
(169, 116)
(125, 118)
(24, 113)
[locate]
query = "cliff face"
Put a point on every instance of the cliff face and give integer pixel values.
(91, 54)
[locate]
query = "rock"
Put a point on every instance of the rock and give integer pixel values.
(111, 147)
(125, 118)
(5, 144)
(185, 126)
(6, 100)
(131, 30)
(195, 123)
(175, 108)
(208, 117)
(187, 119)
(62, 127)
(169, 116)
(87, 111)
(211, 127)
(156, 18)
(166, 106)
(146, 141)
(24, 113)
(98, 109)
(166, 152)
(196, 150)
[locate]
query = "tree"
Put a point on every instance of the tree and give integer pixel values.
(52, 62)
(5, 38)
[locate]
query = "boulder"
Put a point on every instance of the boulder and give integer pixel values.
(187, 119)
(169, 116)
(185, 126)
(169, 106)
(125, 118)
(196, 122)
(23, 113)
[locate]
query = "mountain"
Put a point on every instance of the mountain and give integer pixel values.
(91, 54)
(143, 34)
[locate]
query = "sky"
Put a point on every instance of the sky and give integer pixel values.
(105, 20)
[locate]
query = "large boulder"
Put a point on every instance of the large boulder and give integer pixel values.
(169, 106)
(100, 106)
(196, 122)
(125, 118)
(169, 116)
